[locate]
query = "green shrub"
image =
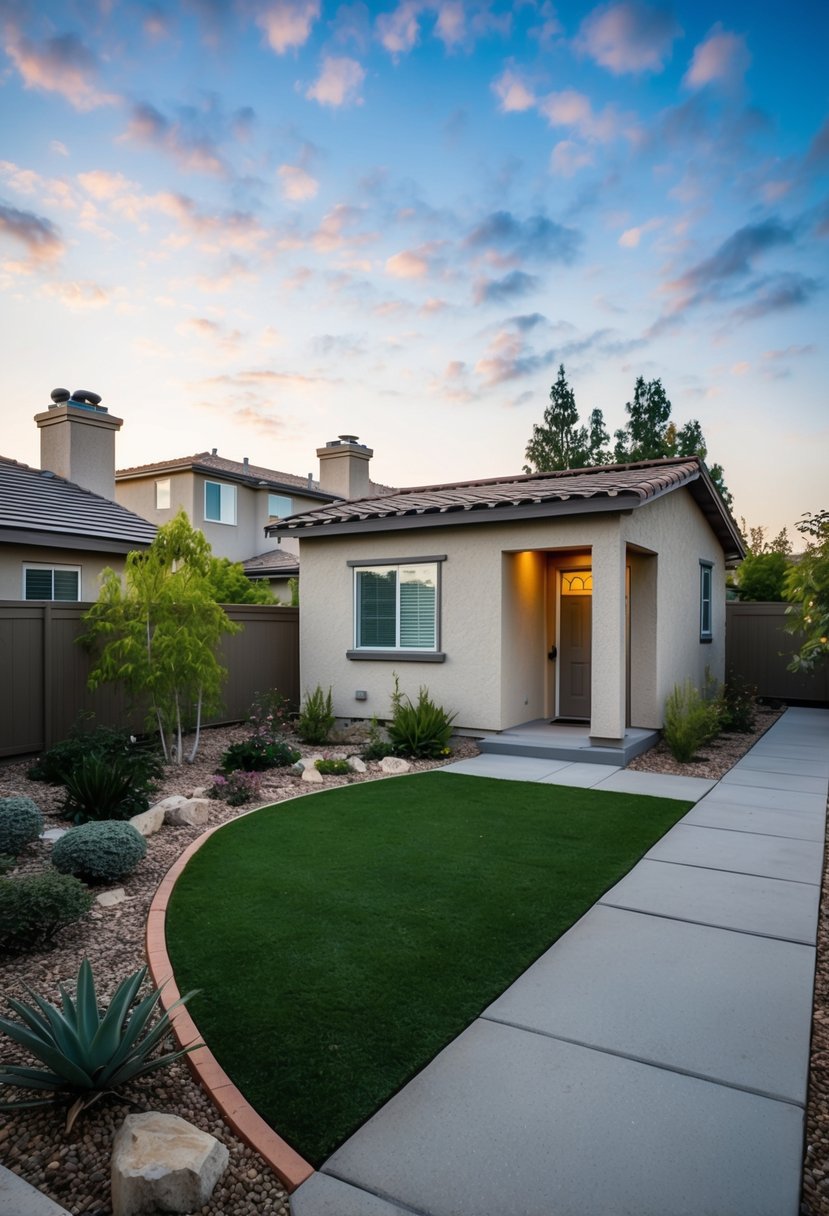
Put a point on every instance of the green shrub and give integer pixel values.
(87, 1049)
(237, 788)
(690, 721)
(99, 852)
(257, 753)
(7, 862)
(316, 717)
(378, 745)
(421, 730)
(138, 755)
(20, 823)
(332, 768)
(102, 788)
(738, 707)
(34, 906)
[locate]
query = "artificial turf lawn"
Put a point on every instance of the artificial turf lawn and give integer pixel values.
(341, 940)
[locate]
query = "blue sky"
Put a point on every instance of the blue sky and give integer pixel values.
(256, 225)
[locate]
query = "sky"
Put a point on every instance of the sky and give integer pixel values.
(255, 225)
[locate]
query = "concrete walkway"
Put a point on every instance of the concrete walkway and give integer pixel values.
(654, 1061)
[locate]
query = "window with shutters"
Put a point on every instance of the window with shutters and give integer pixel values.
(396, 607)
(52, 583)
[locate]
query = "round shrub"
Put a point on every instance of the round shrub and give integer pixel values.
(20, 823)
(100, 852)
(34, 906)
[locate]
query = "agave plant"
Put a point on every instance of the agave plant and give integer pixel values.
(87, 1051)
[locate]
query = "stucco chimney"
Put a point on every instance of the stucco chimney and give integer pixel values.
(77, 440)
(344, 467)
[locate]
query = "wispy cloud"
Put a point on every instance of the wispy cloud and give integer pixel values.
(414, 263)
(61, 64)
(297, 185)
(513, 93)
(722, 59)
(79, 295)
(399, 30)
(511, 287)
(38, 236)
(192, 150)
(509, 358)
(630, 37)
(287, 24)
(572, 109)
(631, 237)
(568, 158)
(55, 145)
(338, 83)
(507, 239)
(778, 293)
(733, 259)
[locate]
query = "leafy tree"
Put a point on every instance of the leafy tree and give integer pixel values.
(159, 632)
(762, 577)
(230, 584)
(756, 540)
(598, 440)
(646, 436)
(807, 590)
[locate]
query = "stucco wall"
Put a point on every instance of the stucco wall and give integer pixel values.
(523, 635)
(13, 558)
(676, 529)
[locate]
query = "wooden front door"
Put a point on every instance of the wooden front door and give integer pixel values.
(574, 659)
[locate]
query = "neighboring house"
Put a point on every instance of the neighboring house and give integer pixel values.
(56, 537)
(232, 501)
(584, 594)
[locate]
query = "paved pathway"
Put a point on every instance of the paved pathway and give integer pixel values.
(654, 1061)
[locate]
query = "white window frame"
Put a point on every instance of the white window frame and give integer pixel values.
(285, 498)
(431, 654)
(52, 569)
(227, 503)
(706, 598)
(163, 489)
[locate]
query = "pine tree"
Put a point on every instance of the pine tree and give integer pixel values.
(555, 442)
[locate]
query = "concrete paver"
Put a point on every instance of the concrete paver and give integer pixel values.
(323, 1195)
(768, 762)
(507, 768)
(767, 906)
(727, 1006)
(799, 781)
(743, 852)
(778, 800)
(581, 776)
(18, 1198)
(524, 1125)
(657, 785)
(717, 813)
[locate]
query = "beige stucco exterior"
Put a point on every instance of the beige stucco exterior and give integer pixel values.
(13, 558)
(498, 605)
(79, 444)
(237, 541)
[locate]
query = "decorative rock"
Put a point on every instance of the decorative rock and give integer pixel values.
(161, 1163)
(199, 792)
(108, 899)
(393, 764)
(313, 775)
(53, 834)
(298, 768)
(149, 822)
(357, 765)
(184, 812)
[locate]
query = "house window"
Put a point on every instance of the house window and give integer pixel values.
(162, 495)
(219, 502)
(396, 607)
(279, 505)
(52, 583)
(706, 579)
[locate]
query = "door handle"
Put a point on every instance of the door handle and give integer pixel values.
(553, 653)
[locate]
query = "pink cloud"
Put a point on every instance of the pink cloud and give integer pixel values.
(628, 37)
(338, 83)
(568, 157)
(512, 93)
(450, 26)
(399, 30)
(723, 58)
(79, 296)
(287, 23)
(38, 236)
(59, 65)
(572, 109)
(409, 264)
(297, 185)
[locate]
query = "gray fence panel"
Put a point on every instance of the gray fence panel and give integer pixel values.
(759, 650)
(44, 672)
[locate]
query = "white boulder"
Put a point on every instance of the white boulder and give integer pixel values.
(185, 812)
(313, 775)
(393, 764)
(109, 899)
(161, 1163)
(149, 822)
(357, 765)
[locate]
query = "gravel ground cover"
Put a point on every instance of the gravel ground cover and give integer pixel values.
(716, 757)
(74, 1170)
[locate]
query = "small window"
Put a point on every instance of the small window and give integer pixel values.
(162, 495)
(219, 503)
(52, 583)
(396, 607)
(706, 624)
(279, 505)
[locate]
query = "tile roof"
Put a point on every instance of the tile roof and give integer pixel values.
(36, 502)
(610, 487)
(206, 462)
(275, 561)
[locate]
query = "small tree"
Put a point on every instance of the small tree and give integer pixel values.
(554, 441)
(762, 578)
(807, 589)
(159, 633)
(230, 585)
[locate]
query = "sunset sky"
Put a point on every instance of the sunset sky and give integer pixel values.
(257, 225)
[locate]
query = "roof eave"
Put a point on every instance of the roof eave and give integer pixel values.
(46, 539)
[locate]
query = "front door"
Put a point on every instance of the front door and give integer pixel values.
(574, 657)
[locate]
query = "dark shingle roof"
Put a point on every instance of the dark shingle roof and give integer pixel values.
(607, 487)
(236, 470)
(39, 506)
(275, 562)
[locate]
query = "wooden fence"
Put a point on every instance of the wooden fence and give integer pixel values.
(43, 672)
(758, 649)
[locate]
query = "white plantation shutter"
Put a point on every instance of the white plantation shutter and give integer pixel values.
(418, 604)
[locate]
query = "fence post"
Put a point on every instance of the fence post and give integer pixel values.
(48, 657)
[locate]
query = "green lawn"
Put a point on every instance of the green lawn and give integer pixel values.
(341, 940)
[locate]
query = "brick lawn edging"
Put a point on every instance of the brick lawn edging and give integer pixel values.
(286, 1163)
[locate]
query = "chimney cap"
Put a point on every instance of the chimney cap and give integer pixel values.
(59, 395)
